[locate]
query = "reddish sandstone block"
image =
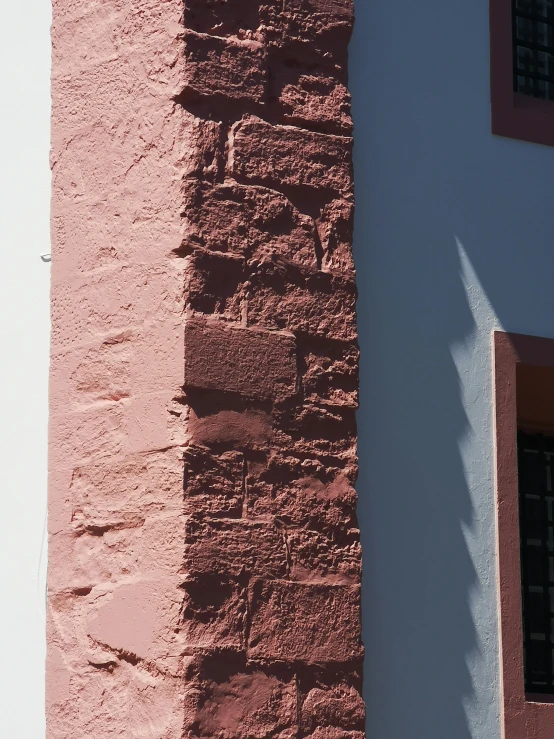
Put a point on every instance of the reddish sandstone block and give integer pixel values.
(214, 284)
(225, 67)
(330, 373)
(340, 706)
(314, 492)
(97, 552)
(249, 221)
(311, 32)
(214, 612)
(303, 301)
(304, 623)
(313, 100)
(332, 732)
(336, 232)
(245, 704)
(283, 155)
(312, 429)
(330, 553)
(202, 145)
(244, 429)
(336, 9)
(212, 483)
(233, 547)
(253, 363)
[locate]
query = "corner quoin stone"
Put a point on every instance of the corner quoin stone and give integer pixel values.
(228, 68)
(255, 363)
(316, 624)
(285, 155)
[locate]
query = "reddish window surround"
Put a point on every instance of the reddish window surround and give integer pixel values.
(524, 717)
(513, 114)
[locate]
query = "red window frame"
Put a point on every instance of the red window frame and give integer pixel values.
(523, 716)
(513, 115)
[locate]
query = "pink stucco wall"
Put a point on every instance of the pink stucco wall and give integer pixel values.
(120, 146)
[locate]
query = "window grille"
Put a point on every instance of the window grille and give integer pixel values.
(533, 47)
(536, 510)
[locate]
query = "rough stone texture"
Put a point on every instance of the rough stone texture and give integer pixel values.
(214, 614)
(277, 156)
(230, 68)
(234, 548)
(307, 302)
(340, 706)
(249, 221)
(258, 364)
(213, 483)
(315, 101)
(228, 700)
(204, 547)
(302, 622)
(331, 732)
(315, 493)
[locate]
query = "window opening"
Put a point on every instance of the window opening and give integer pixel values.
(536, 506)
(533, 47)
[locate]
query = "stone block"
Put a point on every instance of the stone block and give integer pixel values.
(249, 221)
(335, 226)
(105, 303)
(330, 373)
(136, 618)
(332, 732)
(201, 147)
(340, 706)
(99, 551)
(114, 493)
(214, 284)
(296, 622)
(303, 301)
(274, 156)
(254, 363)
(316, 430)
(234, 547)
(336, 555)
(212, 483)
(302, 491)
(312, 100)
(311, 32)
(214, 611)
(224, 428)
(230, 701)
(230, 68)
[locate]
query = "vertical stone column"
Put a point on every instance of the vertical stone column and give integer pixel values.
(272, 560)
(204, 552)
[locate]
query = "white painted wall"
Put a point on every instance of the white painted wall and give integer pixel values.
(454, 237)
(24, 328)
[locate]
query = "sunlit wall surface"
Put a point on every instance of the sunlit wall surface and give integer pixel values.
(24, 326)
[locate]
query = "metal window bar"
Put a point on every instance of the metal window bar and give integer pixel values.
(533, 47)
(536, 506)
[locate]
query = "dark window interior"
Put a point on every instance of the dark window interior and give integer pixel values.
(536, 511)
(533, 47)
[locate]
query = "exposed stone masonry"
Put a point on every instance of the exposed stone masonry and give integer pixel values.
(204, 552)
(272, 558)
